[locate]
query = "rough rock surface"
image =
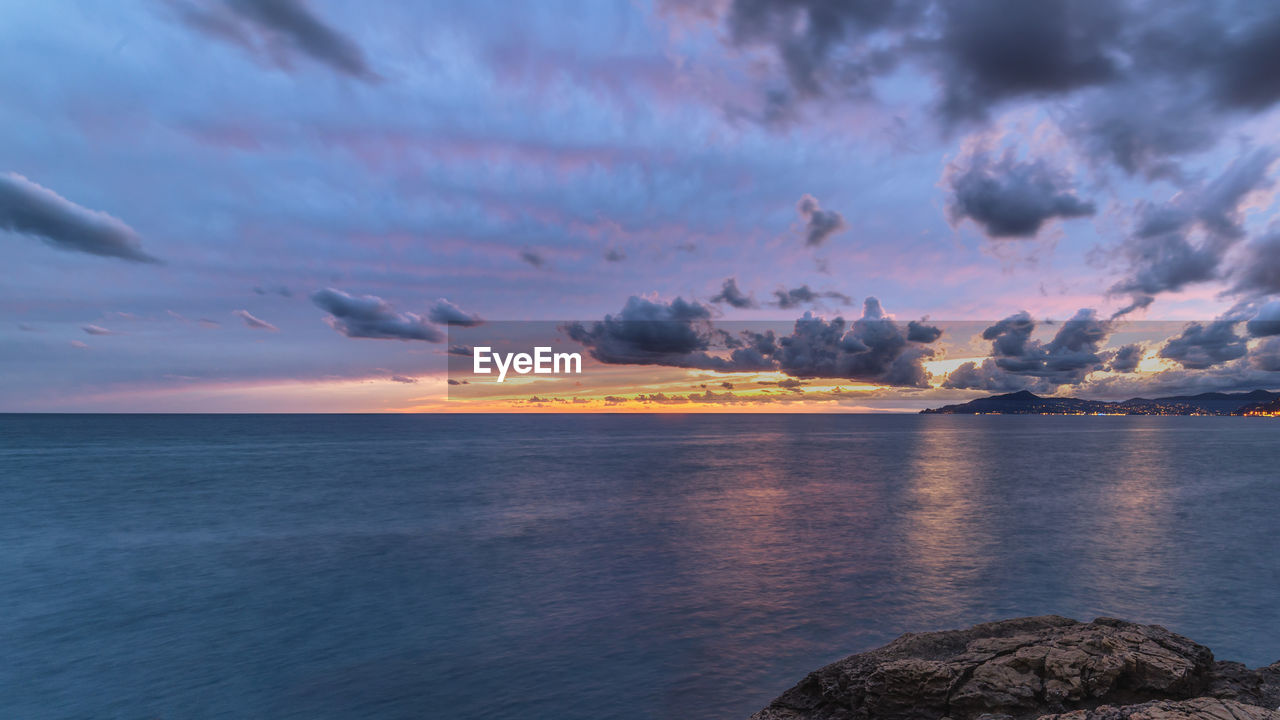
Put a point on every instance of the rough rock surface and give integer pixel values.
(1197, 709)
(1037, 667)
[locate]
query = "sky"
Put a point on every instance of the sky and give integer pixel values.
(306, 206)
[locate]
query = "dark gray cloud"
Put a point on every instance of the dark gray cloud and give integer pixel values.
(1138, 301)
(1266, 322)
(1165, 263)
(1142, 128)
(1243, 68)
(804, 295)
(1215, 206)
(1258, 273)
(809, 38)
(1184, 241)
(280, 290)
(675, 334)
(1136, 87)
(982, 53)
(730, 294)
(369, 316)
(872, 349)
(988, 377)
(403, 379)
(990, 51)
(263, 26)
(614, 255)
(819, 224)
(1067, 359)
(1126, 359)
(446, 313)
(533, 258)
(1203, 346)
(254, 322)
(918, 331)
(1266, 356)
(1008, 198)
(1192, 69)
(39, 212)
(1011, 336)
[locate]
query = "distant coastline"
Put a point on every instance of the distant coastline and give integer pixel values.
(1258, 403)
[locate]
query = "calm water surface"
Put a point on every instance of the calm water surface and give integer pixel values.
(570, 567)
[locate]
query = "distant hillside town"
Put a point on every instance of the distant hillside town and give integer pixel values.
(1259, 403)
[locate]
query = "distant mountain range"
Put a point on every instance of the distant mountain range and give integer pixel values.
(1027, 403)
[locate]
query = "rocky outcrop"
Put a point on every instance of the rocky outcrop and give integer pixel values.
(1039, 667)
(1203, 708)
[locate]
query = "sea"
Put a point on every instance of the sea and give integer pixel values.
(605, 567)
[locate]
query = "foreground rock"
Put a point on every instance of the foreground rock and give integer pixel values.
(1040, 667)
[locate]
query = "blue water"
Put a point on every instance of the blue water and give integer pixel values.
(569, 567)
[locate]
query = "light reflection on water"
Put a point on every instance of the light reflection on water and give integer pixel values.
(591, 567)
(947, 544)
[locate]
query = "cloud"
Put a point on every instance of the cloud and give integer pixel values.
(1126, 359)
(918, 331)
(1266, 322)
(1243, 70)
(819, 224)
(263, 26)
(805, 35)
(1232, 376)
(369, 316)
(1193, 69)
(730, 294)
(989, 52)
(1216, 206)
(795, 297)
(872, 349)
(254, 322)
(614, 255)
(981, 53)
(1184, 241)
(1132, 87)
(96, 330)
(1141, 127)
(403, 379)
(1266, 356)
(280, 290)
(1202, 346)
(533, 258)
(1258, 272)
(446, 313)
(1008, 198)
(989, 377)
(1138, 301)
(647, 332)
(1067, 359)
(34, 210)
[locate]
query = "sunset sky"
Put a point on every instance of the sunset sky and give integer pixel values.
(281, 205)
